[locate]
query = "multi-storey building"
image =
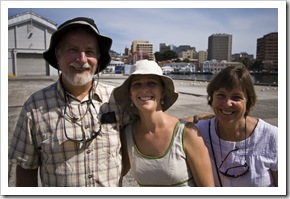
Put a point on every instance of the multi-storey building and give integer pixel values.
(243, 57)
(127, 51)
(213, 66)
(220, 47)
(188, 54)
(202, 57)
(181, 48)
(28, 37)
(267, 51)
(141, 50)
(165, 47)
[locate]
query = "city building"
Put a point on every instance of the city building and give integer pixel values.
(141, 50)
(28, 37)
(267, 51)
(202, 57)
(188, 54)
(214, 66)
(127, 51)
(165, 47)
(181, 48)
(243, 57)
(182, 67)
(220, 47)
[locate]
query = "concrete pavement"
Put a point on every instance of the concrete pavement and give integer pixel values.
(191, 101)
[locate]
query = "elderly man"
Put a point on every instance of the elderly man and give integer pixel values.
(70, 130)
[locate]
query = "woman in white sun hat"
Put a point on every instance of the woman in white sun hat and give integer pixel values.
(162, 150)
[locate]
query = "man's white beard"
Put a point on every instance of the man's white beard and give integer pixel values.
(79, 79)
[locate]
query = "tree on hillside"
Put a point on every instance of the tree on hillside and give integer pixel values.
(167, 55)
(158, 56)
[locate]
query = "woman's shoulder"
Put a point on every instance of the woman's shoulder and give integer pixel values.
(200, 128)
(266, 127)
(266, 132)
(203, 125)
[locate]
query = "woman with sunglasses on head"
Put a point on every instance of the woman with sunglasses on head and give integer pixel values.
(243, 149)
(162, 150)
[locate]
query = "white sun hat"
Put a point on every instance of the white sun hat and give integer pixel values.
(145, 67)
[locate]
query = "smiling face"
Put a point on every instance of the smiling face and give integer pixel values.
(231, 78)
(229, 105)
(146, 92)
(77, 56)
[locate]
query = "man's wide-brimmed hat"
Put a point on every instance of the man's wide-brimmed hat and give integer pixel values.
(145, 67)
(105, 43)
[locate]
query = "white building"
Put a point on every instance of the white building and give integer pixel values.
(215, 66)
(28, 37)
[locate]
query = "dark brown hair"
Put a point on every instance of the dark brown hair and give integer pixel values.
(233, 77)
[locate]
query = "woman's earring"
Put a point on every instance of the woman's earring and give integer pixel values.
(162, 102)
(131, 104)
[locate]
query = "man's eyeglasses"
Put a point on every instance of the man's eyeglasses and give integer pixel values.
(84, 139)
(240, 169)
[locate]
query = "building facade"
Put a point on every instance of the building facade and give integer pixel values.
(188, 54)
(243, 57)
(28, 37)
(141, 50)
(165, 47)
(202, 57)
(220, 47)
(267, 51)
(214, 66)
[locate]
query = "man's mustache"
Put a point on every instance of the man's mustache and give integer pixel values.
(78, 66)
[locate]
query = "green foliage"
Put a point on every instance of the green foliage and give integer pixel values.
(167, 55)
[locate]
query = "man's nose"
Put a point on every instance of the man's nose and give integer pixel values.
(82, 57)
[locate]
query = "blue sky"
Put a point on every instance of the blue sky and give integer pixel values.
(177, 26)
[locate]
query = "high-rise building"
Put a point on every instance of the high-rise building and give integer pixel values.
(165, 47)
(220, 47)
(267, 51)
(141, 50)
(126, 51)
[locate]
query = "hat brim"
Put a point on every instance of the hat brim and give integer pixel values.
(105, 44)
(122, 94)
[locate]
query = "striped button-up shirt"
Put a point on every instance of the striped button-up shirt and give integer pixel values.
(49, 122)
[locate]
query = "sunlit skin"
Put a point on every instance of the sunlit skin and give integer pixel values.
(146, 92)
(229, 107)
(77, 56)
(153, 131)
